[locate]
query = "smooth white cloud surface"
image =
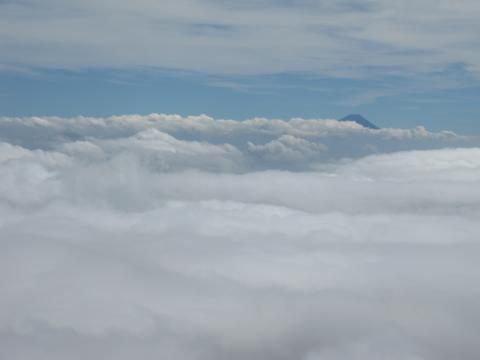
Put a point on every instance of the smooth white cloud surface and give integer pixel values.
(147, 237)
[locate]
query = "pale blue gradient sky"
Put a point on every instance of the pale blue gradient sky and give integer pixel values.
(400, 65)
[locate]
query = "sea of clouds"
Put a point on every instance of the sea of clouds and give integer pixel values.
(185, 238)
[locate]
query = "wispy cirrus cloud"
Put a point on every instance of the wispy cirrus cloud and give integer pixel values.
(368, 43)
(254, 37)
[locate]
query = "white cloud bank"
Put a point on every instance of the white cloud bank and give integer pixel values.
(147, 237)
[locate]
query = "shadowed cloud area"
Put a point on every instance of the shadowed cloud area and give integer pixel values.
(194, 238)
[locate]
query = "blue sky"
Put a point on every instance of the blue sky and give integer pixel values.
(400, 65)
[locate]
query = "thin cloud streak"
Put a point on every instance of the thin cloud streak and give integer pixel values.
(256, 38)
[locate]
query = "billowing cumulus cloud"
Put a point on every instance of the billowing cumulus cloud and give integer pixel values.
(185, 142)
(195, 238)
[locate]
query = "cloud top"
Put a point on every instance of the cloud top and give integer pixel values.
(253, 144)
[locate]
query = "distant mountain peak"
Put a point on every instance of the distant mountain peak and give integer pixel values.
(359, 119)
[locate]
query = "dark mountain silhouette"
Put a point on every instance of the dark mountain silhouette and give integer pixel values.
(359, 119)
